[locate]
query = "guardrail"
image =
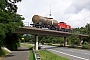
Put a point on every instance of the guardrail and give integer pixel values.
(26, 23)
(37, 56)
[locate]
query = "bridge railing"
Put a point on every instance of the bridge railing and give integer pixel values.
(26, 23)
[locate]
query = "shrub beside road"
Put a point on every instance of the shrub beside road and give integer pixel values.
(3, 52)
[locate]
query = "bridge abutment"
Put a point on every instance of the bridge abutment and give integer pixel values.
(36, 42)
(65, 42)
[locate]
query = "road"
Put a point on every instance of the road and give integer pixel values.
(72, 54)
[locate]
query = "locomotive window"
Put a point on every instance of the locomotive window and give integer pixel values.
(62, 22)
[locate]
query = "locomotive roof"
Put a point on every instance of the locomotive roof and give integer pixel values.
(61, 22)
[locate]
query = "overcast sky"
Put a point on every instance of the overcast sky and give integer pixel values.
(74, 12)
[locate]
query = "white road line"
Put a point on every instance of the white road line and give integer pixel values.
(70, 55)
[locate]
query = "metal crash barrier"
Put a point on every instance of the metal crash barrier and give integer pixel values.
(37, 56)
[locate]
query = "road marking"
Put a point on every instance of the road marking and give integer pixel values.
(69, 55)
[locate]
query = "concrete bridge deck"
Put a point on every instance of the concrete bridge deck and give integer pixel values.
(40, 31)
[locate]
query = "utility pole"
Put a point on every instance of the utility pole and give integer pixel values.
(50, 12)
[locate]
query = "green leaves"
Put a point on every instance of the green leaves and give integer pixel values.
(2, 31)
(11, 6)
(2, 34)
(88, 28)
(2, 4)
(9, 22)
(73, 39)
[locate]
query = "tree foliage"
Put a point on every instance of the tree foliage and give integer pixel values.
(9, 22)
(44, 39)
(73, 39)
(88, 28)
(9, 5)
(83, 30)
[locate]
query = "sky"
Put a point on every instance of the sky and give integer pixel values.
(75, 13)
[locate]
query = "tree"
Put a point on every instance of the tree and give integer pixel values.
(9, 22)
(73, 39)
(9, 5)
(2, 34)
(88, 28)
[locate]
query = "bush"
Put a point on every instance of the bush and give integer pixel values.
(12, 41)
(3, 52)
(73, 39)
(86, 47)
(85, 43)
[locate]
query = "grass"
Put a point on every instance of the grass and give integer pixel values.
(31, 56)
(46, 55)
(26, 44)
(3, 52)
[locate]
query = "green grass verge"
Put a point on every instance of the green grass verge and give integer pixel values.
(31, 56)
(26, 44)
(3, 52)
(46, 55)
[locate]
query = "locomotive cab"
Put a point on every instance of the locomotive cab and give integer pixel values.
(61, 26)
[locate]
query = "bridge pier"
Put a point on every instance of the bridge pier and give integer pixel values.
(65, 42)
(80, 42)
(36, 42)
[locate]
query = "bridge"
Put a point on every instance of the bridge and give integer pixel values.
(42, 31)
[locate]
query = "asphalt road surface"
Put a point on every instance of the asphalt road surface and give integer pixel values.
(21, 54)
(72, 54)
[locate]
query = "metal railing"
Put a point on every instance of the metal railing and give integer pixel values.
(26, 23)
(37, 56)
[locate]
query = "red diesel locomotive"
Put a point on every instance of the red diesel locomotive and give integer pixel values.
(62, 26)
(44, 22)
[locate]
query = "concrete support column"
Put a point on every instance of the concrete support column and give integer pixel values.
(80, 42)
(65, 42)
(36, 42)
